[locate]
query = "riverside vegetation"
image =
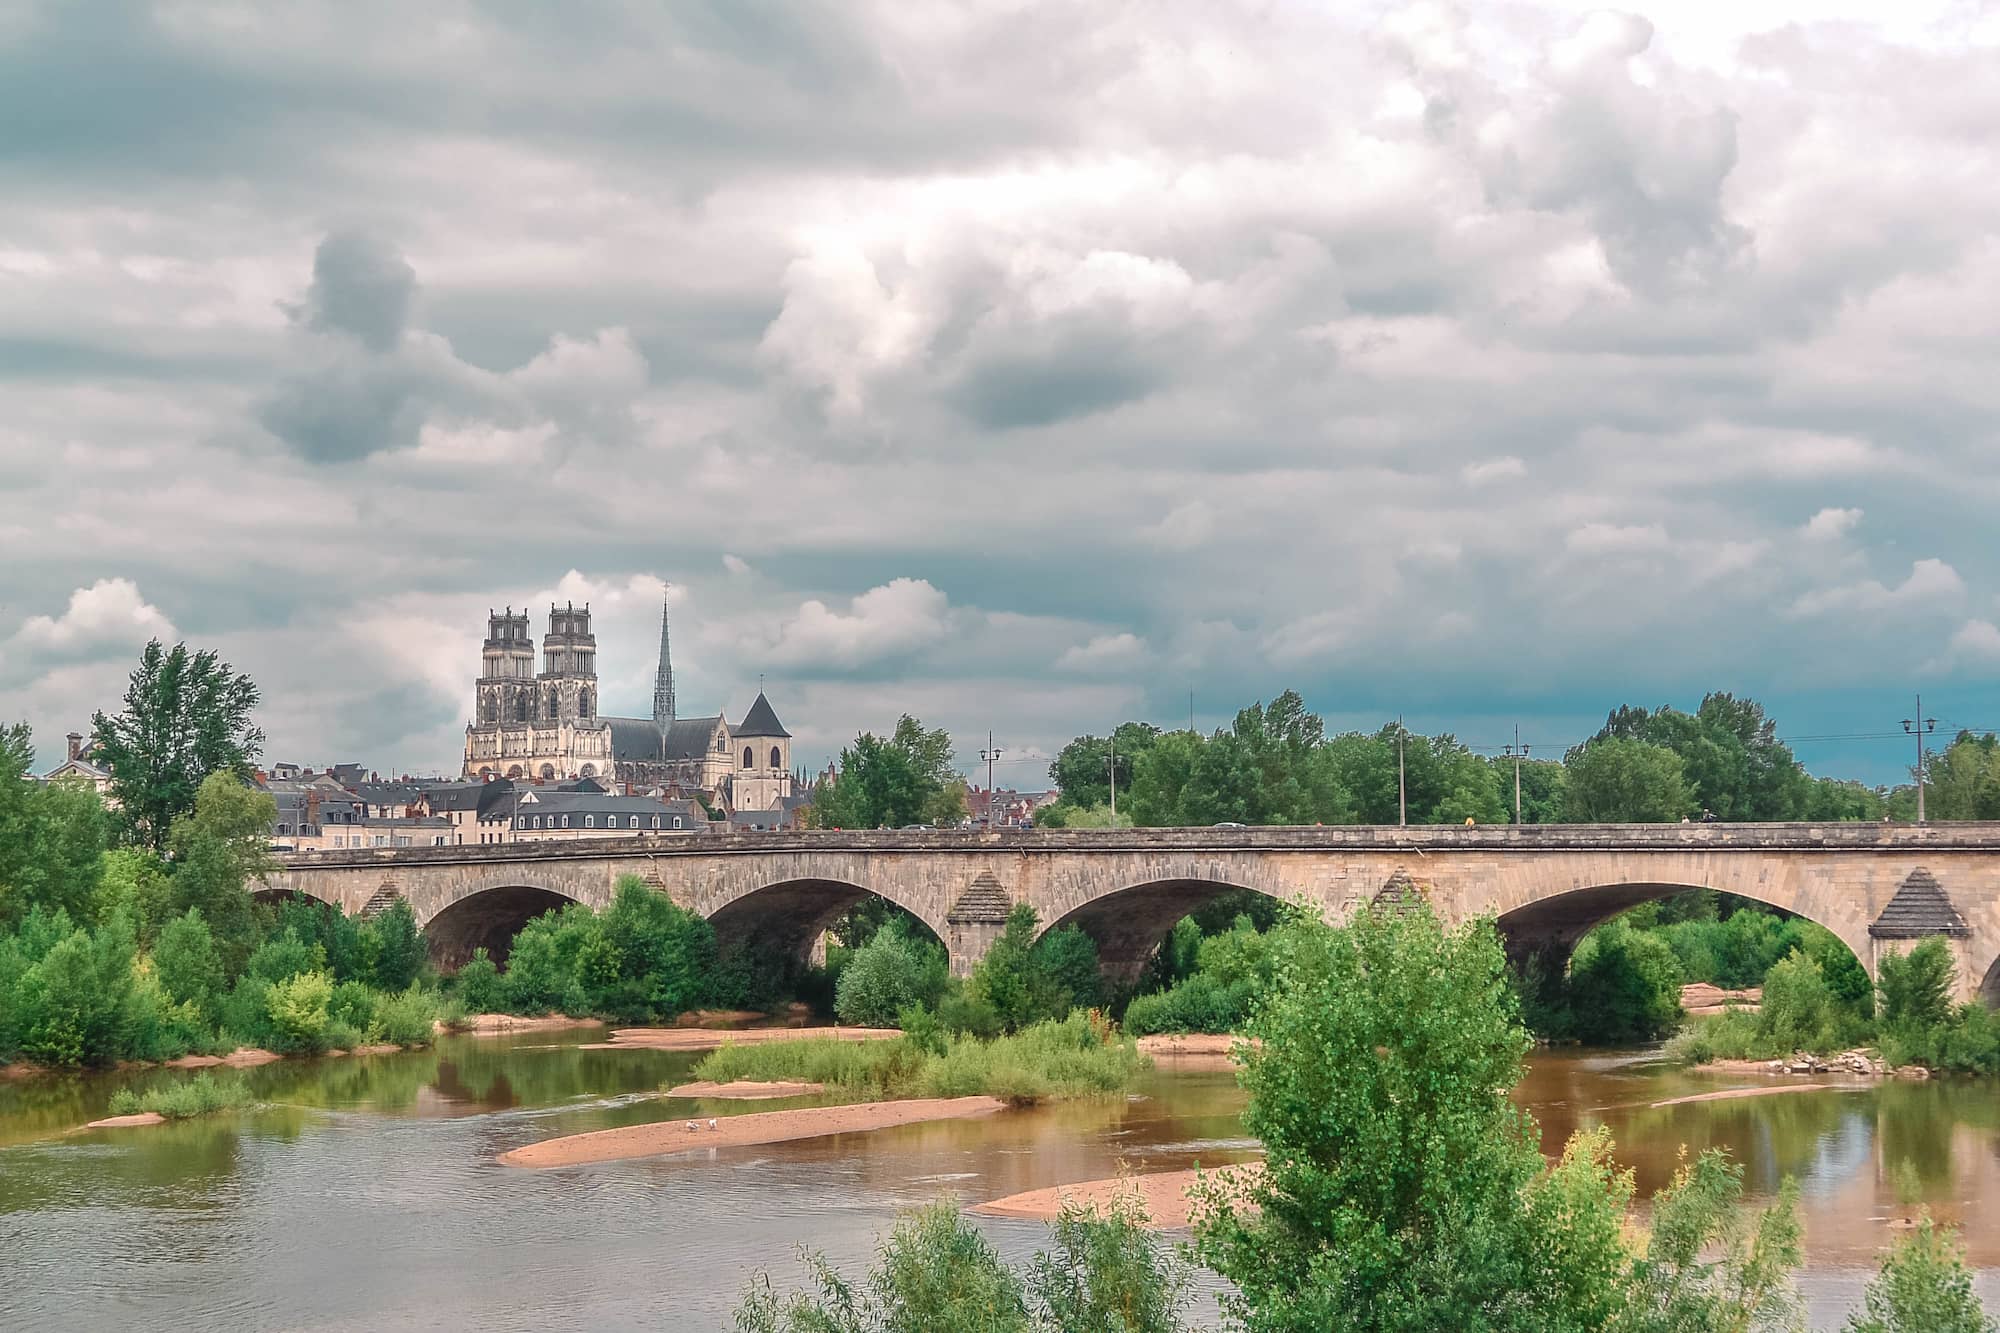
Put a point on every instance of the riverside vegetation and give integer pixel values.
(1402, 1192)
(204, 1094)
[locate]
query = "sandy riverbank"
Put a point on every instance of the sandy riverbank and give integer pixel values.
(1163, 1194)
(1190, 1050)
(746, 1090)
(243, 1057)
(673, 1136)
(707, 1039)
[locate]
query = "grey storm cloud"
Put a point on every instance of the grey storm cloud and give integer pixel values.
(1022, 366)
(361, 287)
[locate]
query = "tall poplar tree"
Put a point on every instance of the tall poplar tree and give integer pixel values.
(186, 716)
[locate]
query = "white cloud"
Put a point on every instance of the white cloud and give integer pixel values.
(108, 615)
(1184, 527)
(1976, 642)
(1489, 470)
(735, 564)
(1930, 581)
(898, 618)
(1597, 539)
(1831, 524)
(1106, 652)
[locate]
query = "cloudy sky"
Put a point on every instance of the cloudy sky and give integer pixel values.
(1024, 366)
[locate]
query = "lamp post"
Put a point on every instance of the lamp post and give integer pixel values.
(991, 754)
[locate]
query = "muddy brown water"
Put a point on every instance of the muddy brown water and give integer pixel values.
(364, 1193)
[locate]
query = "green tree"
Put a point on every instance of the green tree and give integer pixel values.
(1915, 988)
(1731, 758)
(1964, 779)
(1924, 1287)
(216, 850)
(887, 975)
(52, 836)
(1106, 1275)
(1624, 986)
(394, 947)
(1082, 769)
(1401, 1190)
(186, 717)
(906, 778)
(185, 962)
(1623, 781)
(1709, 1266)
(1005, 978)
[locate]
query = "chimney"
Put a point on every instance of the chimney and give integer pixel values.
(75, 739)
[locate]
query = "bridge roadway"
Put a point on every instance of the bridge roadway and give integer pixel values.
(1545, 884)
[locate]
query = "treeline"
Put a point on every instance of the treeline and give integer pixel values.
(1275, 765)
(1400, 1189)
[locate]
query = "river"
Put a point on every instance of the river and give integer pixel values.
(364, 1193)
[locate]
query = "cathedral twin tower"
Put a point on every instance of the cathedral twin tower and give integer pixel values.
(546, 725)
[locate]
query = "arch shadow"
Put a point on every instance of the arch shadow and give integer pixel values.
(489, 920)
(271, 897)
(1552, 926)
(1128, 924)
(783, 919)
(1989, 989)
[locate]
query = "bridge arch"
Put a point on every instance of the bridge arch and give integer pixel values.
(1989, 989)
(785, 916)
(278, 896)
(489, 919)
(1128, 924)
(1552, 924)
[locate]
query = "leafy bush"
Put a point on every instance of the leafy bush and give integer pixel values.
(1624, 986)
(1075, 1057)
(644, 958)
(888, 974)
(406, 1018)
(1923, 1287)
(1199, 1004)
(1916, 987)
(1797, 1012)
(393, 947)
(284, 956)
(479, 984)
(352, 1009)
(186, 963)
(1106, 1273)
(204, 1094)
(297, 1007)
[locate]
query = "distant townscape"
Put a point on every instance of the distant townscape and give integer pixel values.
(542, 761)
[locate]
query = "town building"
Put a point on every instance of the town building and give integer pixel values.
(77, 767)
(541, 814)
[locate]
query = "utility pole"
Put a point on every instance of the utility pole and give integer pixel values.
(1920, 727)
(1190, 712)
(1111, 764)
(990, 754)
(1518, 752)
(1402, 791)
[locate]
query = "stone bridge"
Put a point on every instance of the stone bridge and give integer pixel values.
(1879, 887)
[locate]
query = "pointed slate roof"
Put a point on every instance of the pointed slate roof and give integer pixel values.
(1919, 909)
(761, 720)
(983, 900)
(1399, 893)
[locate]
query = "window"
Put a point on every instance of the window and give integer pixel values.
(777, 760)
(677, 821)
(565, 821)
(656, 821)
(748, 761)
(635, 821)
(284, 830)
(590, 821)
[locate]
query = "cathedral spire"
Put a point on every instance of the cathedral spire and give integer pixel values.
(663, 682)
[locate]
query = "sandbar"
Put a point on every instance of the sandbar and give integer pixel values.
(488, 1025)
(128, 1121)
(1163, 1194)
(745, 1090)
(707, 1039)
(1193, 1051)
(738, 1131)
(1728, 1094)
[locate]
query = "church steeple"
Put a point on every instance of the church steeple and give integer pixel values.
(663, 681)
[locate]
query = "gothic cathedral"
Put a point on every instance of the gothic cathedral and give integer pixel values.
(546, 726)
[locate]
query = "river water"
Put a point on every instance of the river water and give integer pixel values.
(364, 1193)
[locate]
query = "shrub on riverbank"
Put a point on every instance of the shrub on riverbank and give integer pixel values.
(1106, 1274)
(1061, 1059)
(204, 1094)
(1229, 971)
(889, 974)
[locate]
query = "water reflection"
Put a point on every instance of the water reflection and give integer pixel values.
(363, 1191)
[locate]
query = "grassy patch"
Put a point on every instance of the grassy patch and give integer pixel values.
(201, 1095)
(1051, 1061)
